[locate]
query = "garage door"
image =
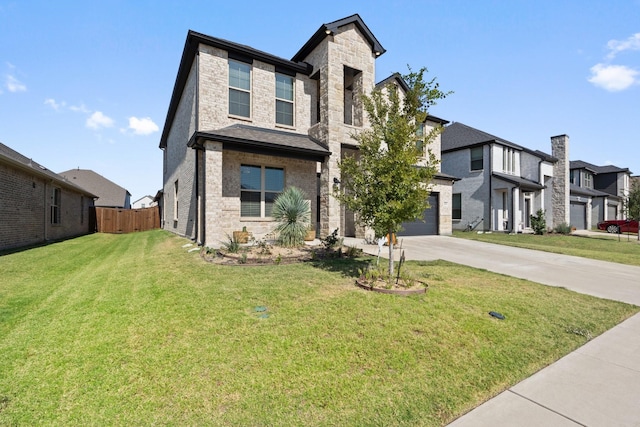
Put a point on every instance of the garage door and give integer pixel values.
(430, 224)
(611, 212)
(578, 216)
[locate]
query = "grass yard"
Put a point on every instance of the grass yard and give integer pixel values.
(605, 248)
(135, 330)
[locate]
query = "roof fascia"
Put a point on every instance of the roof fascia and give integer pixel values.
(327, 29)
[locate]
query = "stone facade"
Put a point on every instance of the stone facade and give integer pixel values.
(329, 75)
(561, 190)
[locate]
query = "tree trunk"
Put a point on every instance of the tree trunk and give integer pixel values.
(390, 235)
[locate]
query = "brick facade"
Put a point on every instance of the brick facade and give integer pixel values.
(25, 208)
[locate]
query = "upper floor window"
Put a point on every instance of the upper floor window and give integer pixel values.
(588, 180)
(509, 160)
(239, 89)
(420, 139)
(572, 177)
(259, 187)
(55, 206)
(352, 85)
(284, 100)
(477, 159)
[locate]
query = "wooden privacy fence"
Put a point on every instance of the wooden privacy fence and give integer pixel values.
(114, 220)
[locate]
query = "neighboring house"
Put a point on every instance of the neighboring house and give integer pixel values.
(38, 205)
(502, 183)
(598, 193)
(110, 194)
(144, 202)
(243, 124)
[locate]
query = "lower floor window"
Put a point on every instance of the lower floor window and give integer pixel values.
(456, 211)
(259, 187)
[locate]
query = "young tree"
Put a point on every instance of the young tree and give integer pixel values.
(633, 201)
(385, 183)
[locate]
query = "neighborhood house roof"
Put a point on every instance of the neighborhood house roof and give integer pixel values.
(109, 193)
(251, 138)
(523, 183)
(582, 191)
(579, 164)
(457, 136)
(17, 160)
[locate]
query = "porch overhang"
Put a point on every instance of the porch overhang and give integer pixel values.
(251, 139)
(518, 181)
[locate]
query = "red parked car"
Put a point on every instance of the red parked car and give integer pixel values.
(619, 226)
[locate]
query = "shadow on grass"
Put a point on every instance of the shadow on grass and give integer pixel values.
(346, 266)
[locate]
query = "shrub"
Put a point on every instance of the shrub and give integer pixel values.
(332, 240)
(563, 228)
(293, 214)
(538, 222)
(231, 245)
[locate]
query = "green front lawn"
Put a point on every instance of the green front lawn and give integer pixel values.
(625, 250)
(135, 330)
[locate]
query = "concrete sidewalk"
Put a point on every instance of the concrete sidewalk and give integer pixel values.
(596, 385)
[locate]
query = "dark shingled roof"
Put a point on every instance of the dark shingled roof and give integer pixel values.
(574, 189)
(16, 159)
(109, 193)
(523, 183)
(266, 141)
(457, 136)
(579, 164)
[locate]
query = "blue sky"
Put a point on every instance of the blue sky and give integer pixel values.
(87, 85)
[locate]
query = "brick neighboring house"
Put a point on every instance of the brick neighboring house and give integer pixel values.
(243, 124)
(110, 194)
(598, 193)
(502, 183)
(38, 205)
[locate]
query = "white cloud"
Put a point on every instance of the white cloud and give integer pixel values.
(14, 85)
(617, 46)
(53, 104)
(99, 120)
(613, 78)
(79, 108)
(143, 126)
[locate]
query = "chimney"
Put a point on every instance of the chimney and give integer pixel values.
(561, 192)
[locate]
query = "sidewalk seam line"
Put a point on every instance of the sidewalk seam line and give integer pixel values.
(547, 408)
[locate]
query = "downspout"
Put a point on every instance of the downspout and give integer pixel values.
(199, 224)
(490, 191)
(44, 223)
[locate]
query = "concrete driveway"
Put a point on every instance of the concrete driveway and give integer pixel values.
(596, 385)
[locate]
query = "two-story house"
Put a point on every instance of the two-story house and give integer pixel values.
(598, 193)
(243, 124)
(501, 183)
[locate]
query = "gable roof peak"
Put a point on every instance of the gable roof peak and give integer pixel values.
(328, 29)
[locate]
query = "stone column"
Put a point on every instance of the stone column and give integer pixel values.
(214, 231)
(560, 190)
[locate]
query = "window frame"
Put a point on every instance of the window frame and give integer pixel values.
(56, 201)
(455, 196)
(175, 200)
(266, 195)
(476, 160)
(233, 88)
(291, 101)
(588, 180)
(509, 160)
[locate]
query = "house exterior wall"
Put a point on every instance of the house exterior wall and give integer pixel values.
(445, 222)
(222, 205)
(475, 194)
(180, 163)
(25, 208)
